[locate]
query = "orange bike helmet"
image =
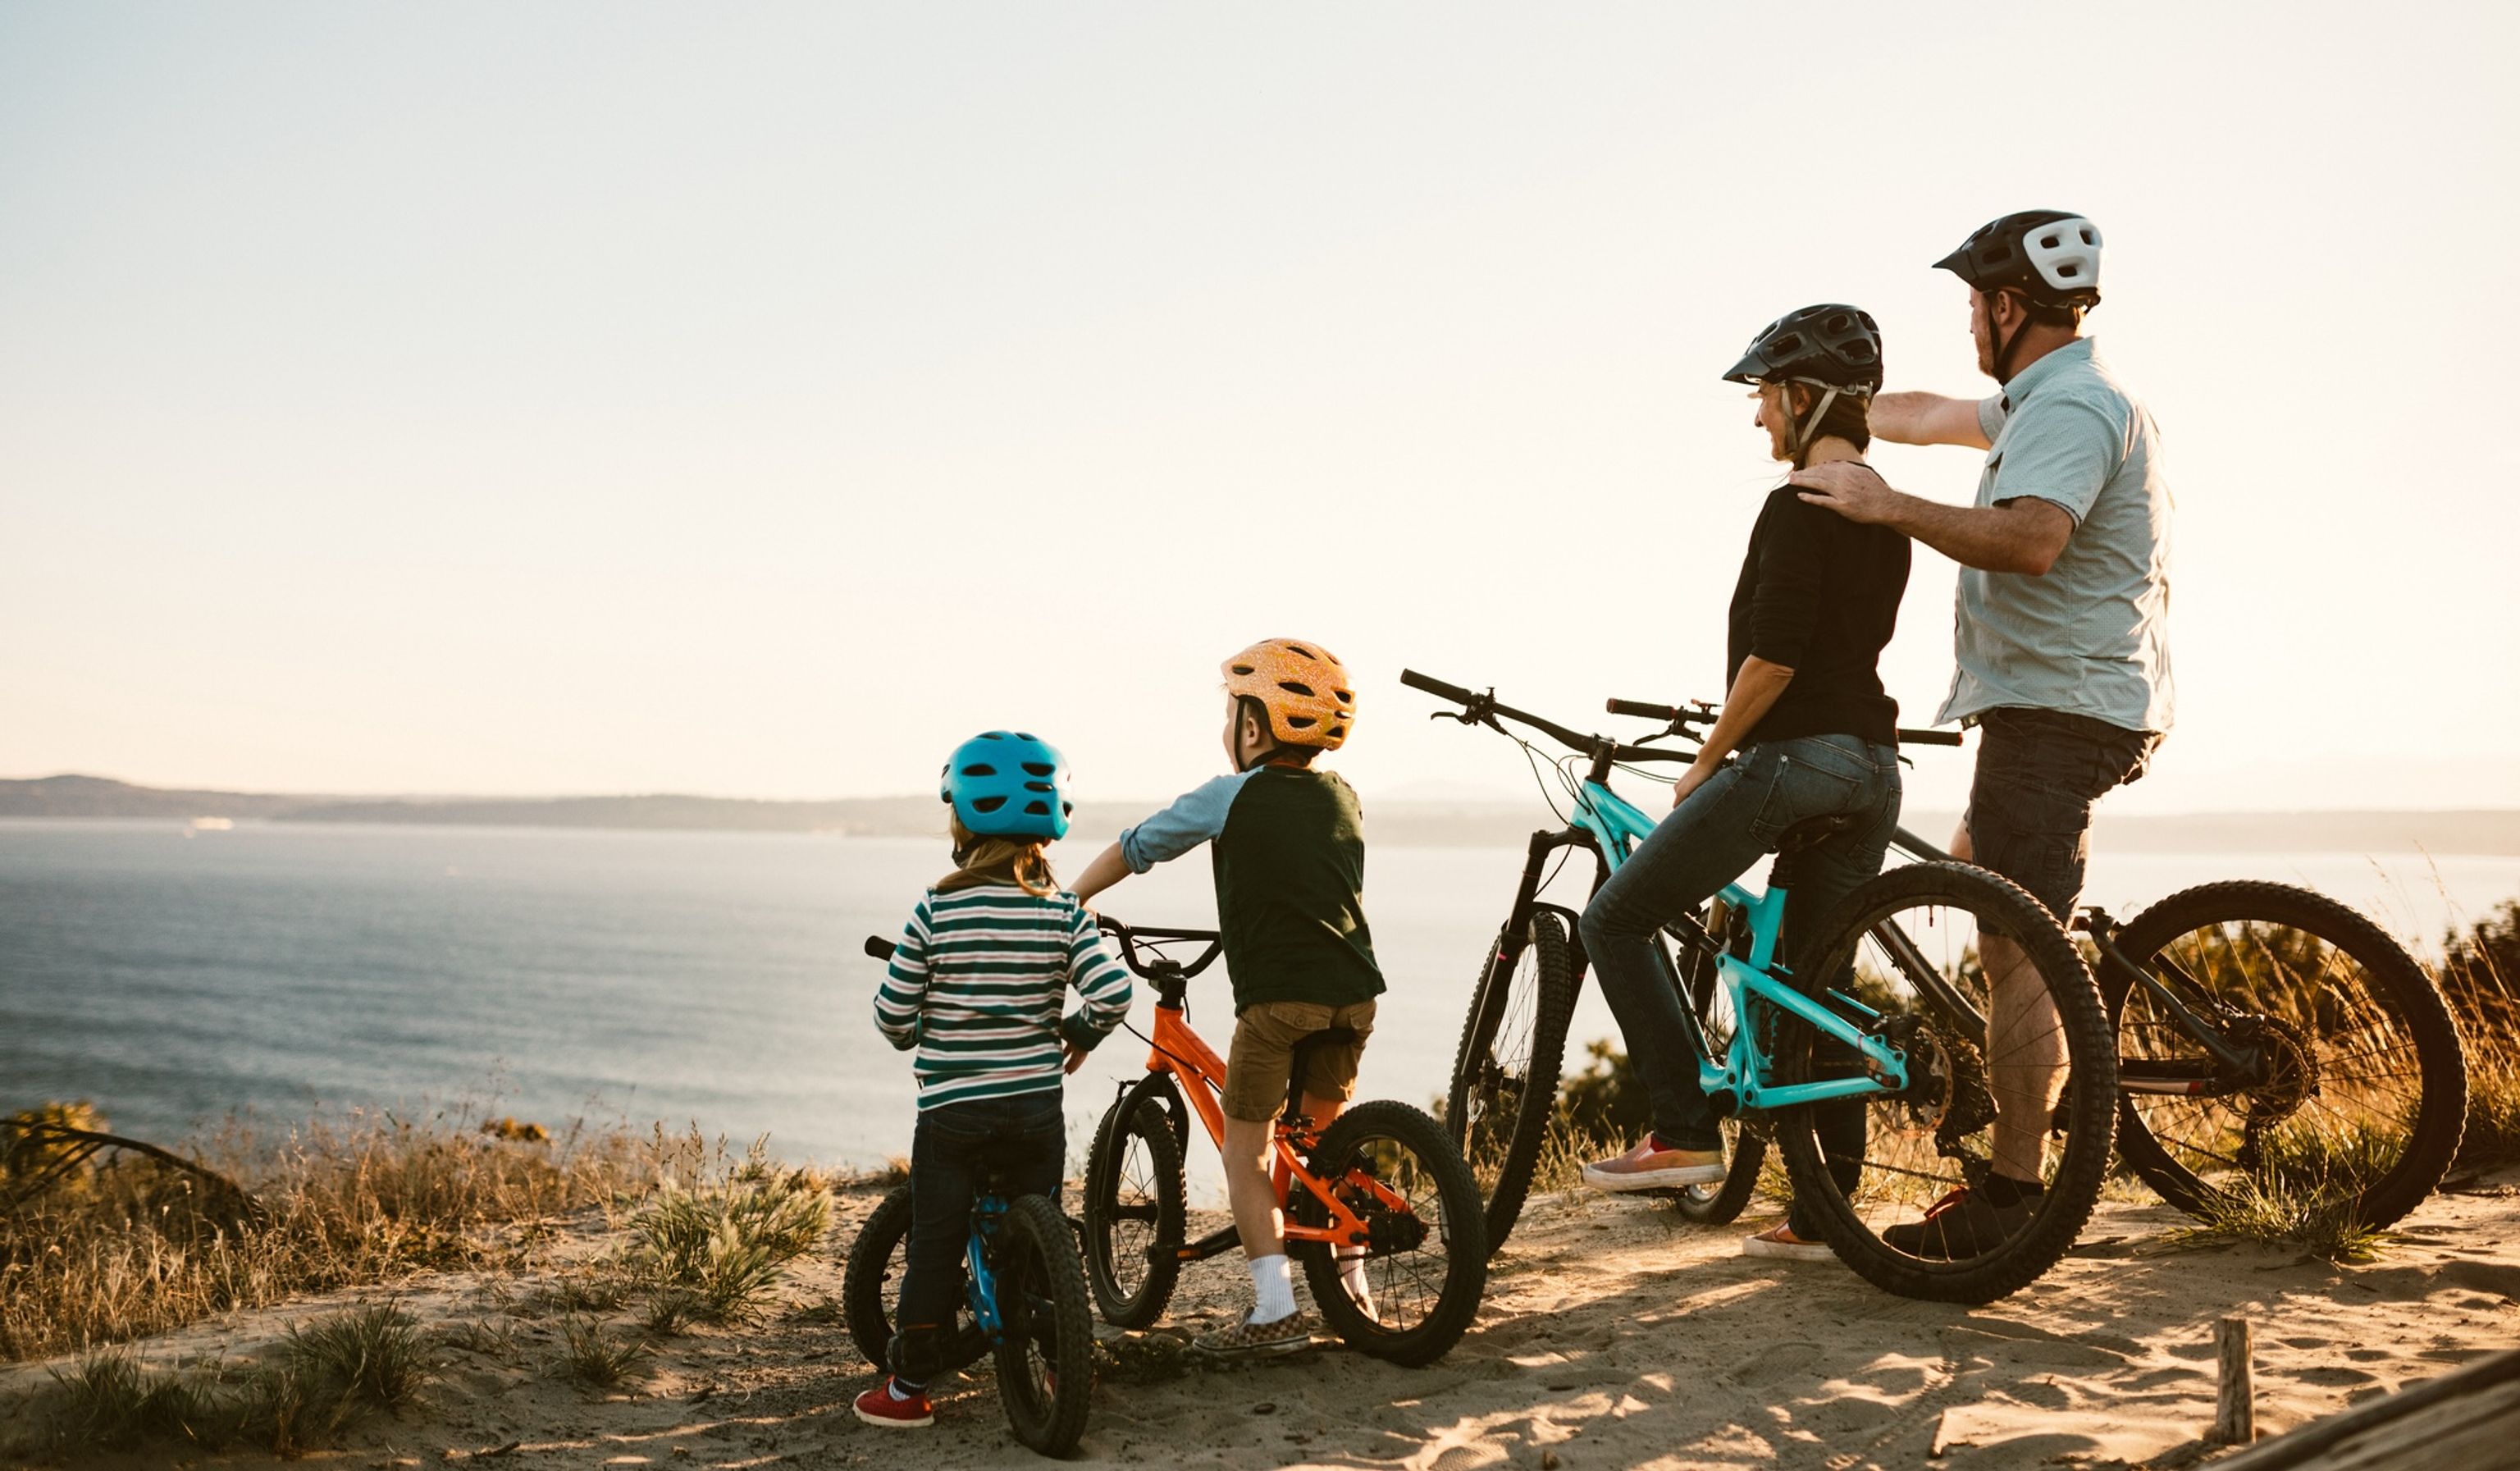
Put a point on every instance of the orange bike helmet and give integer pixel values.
(1302, 685)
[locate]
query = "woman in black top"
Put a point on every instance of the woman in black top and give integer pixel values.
(1815, 734)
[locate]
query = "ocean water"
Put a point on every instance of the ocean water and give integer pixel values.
(701, 978)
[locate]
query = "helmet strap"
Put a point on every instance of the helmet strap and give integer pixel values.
(2004, 345)
(1809, 431)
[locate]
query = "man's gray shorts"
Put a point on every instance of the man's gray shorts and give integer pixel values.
(2030, 802)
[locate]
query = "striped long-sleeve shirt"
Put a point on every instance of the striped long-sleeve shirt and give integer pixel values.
(976, 986)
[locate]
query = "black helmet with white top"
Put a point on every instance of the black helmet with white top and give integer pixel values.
(2052, 259)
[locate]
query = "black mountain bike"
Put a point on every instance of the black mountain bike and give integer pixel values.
(2269, 1037)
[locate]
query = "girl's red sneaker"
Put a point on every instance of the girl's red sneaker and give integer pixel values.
(880, 1406)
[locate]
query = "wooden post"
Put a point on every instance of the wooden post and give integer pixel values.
(2236, 1410)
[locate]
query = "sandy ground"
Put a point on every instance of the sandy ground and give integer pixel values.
(1614, 1335)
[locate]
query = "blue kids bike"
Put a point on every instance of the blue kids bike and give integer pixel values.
(1025, 1288)
(1870, 1064)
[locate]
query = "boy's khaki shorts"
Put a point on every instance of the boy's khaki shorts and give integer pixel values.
(1263, 1054)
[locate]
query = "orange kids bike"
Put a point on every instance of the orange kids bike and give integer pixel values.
(1383, 1177)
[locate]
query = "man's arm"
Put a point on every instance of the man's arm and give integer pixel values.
(1928, 418)
(2024, 535)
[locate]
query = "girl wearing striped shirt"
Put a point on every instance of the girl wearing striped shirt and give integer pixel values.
(977, 987)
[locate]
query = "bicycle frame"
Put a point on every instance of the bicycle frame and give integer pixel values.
(1181, 1053)
(982, 1281)
(1611, 826)
(2232, 1069)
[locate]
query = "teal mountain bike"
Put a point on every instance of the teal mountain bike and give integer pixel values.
(1889, 1016)
(2265, 1035)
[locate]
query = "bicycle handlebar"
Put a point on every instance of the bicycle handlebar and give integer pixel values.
(1702, 715)
(1484, 709)
(1129, 937)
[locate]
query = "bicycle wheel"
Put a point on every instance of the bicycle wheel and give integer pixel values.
(1046, 1353)
(1912, 1204)
(1134, 1201)
(2367, 1094)
(870, 1287)
(1425, 1264)
(1506, 1071)
(870, 1283)
(1745, 1140)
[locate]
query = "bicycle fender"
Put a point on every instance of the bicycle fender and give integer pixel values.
(1159, 1090)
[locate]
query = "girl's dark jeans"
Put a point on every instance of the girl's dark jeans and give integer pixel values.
(1019, 1144)
(1725, 828)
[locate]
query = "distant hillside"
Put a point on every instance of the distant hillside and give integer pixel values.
(1412, 823)
(99, 797)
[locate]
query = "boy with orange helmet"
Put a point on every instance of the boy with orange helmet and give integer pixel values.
(1288, 846)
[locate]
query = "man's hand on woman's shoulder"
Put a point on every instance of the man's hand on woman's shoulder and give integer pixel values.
(1854, 491)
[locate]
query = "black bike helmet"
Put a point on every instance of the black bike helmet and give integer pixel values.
(2051, 257)
(1827, 346)
(1832, 347)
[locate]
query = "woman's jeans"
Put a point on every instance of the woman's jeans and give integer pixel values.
(1723, 828)
(958, 1149)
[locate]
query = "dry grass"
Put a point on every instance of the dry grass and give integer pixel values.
(594, 1360)
(2480, 976)
(131, 1247)
(324, 1376)
(717, 1252)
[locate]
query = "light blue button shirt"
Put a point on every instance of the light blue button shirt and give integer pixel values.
(2090, 638)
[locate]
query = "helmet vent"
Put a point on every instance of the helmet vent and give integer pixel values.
(1039, 786)
(1343, 697)
(1246, 669)
(1302, 722)
(1301, 649)
(979, 769)
(1038, 769)
(1037, 808)
(1292, 687)
(987, 804)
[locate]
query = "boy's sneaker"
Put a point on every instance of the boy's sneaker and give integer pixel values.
(1962, 1224)
(1781, 1244)
(1650, 1166)
(880, 1406)
(1284, 1335)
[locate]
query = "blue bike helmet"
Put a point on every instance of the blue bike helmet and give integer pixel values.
(1007, 784)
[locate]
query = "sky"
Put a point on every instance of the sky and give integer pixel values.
(756, 401)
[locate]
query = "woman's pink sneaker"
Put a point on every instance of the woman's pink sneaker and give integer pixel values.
(1781, 1244)
(1650, 1166)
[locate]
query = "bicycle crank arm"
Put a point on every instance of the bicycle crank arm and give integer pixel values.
(1215, 1243)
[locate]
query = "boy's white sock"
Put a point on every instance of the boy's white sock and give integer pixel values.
(1273, 1287)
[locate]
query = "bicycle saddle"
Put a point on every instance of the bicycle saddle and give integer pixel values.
(1300, 1054)
(1810, 832)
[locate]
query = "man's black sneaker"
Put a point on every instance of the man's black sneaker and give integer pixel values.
(1962, 1225)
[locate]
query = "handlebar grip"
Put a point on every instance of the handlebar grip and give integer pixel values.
(1435, 687)
(1929, 738)
(879, 948)
(1646, 708)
